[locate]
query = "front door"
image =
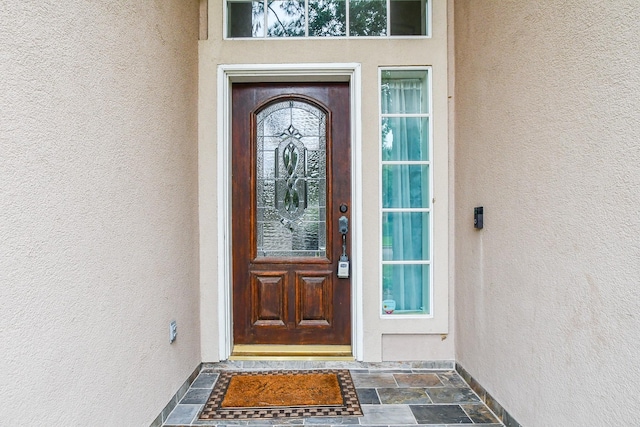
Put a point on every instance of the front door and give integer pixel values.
(291, 184)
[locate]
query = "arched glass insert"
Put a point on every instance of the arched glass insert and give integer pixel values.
(291, 180)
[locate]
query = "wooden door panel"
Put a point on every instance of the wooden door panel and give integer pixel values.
(296, 298)
(313, 302)
(268, 298)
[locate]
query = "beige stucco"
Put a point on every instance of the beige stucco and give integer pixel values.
(99, 219)
(369, 54)
(110, 221)
(546, 139)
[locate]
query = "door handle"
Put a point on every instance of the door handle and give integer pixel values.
(343, 226)
(343, 263)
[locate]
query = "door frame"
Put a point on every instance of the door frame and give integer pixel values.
(264, 73)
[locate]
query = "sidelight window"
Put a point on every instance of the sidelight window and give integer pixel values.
(406, 182)
(327, 18)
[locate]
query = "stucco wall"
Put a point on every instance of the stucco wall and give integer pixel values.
(547, 131)
(98, 218)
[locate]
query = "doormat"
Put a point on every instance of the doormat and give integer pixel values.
(282, 394)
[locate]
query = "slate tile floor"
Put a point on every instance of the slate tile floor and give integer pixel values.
(391, 394)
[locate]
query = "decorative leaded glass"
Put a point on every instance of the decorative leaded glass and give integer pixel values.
(291, 180)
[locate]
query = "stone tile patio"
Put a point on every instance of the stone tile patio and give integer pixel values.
(391, 394)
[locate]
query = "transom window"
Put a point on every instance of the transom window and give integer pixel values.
(406, 171)
(327, 18)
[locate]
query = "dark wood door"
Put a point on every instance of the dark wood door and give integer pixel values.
(291, 161)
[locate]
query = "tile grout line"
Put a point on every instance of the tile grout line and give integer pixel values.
(195, 416)
(429, 396)
(378, 394)
(469, 415)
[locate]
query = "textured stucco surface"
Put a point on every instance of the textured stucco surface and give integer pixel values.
(547, 140)
(370, 54)
(98, 218)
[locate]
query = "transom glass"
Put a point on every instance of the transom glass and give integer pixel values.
(326, 18)
(291, 180)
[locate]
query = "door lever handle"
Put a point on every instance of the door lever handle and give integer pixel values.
(343, 225)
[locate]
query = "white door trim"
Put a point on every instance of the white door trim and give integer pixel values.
(228, 74)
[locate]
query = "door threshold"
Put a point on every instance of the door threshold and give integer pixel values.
(291, 352)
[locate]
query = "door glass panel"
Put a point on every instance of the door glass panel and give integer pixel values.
(245, 18)
(405, 92)
(291, 180)
(405, 139)
(408, 18)
(285, 18)
(405, 186)
(368, 17)
(405, 236)
(327, 18)
(400, 294)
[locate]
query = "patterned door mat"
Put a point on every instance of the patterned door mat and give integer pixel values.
(282, 394)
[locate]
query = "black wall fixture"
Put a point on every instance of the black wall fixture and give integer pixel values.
(478, 214)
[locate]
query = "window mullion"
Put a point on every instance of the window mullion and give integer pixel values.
(388, 18)
(412, 262)
(266, 17)
(406, 162)
(405, 210)
(408, 115)
(306, 18)
(347, 18)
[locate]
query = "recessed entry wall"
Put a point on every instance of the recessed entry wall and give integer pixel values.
(99, 209)
(547, 135)
(277, 60)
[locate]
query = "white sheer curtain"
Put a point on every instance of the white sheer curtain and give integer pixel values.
(405, 188)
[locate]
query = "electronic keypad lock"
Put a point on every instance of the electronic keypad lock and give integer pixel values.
(343, 263)
(343, 269)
